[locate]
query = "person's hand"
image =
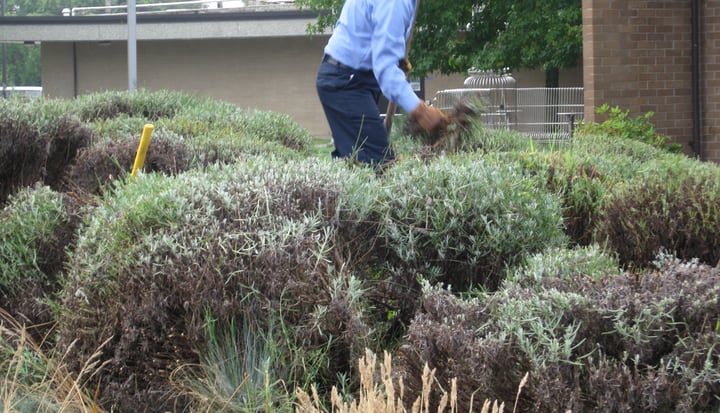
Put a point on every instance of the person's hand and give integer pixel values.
(430, 119)
(405, 65)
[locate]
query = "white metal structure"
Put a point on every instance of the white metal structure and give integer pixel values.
(175, 7)
(545, 114)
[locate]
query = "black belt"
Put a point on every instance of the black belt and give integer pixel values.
(332, 61)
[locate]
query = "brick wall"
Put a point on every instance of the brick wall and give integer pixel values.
(637, 55)
(710, 78)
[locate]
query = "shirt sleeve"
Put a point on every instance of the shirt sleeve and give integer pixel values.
(391, 20)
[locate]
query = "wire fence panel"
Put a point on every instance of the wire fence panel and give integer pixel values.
(549, 113)
(545, 114)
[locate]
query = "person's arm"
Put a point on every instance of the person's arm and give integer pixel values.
(391, 19)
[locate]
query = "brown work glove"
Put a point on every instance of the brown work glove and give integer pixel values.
(430, 119)
(405, 65)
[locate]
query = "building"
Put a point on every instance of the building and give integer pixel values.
(256, 59)
(645, 56)
(657, 56)
(257, 56)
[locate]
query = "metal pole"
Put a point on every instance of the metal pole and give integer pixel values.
(4, 59)
(132, 45)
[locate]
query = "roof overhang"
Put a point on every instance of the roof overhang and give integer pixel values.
(174, 26)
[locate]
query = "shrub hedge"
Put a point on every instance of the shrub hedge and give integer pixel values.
(673, 205)
(621, 343)
(249, 240)
(502, 258)
(37, 228)
(462, 221)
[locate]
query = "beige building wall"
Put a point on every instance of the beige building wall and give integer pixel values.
(56, 69)
(275, 74)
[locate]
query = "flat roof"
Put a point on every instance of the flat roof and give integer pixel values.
(194, 24)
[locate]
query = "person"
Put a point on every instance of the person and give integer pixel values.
(361, 60)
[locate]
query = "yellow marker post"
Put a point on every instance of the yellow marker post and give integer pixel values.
(142, 149)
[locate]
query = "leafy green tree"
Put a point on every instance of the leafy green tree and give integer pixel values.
(34, 7)
(55, 7)
(453, 36)
(23, 65)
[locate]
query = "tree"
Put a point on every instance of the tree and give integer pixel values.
(454, 36)
(55, 7)
(23, 65)
(23, 62)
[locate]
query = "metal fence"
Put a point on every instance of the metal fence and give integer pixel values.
(549, 113)
(545, 114)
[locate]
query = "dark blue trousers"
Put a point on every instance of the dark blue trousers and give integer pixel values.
(350, 100)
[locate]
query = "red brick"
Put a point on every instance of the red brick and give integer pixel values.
(641, 61)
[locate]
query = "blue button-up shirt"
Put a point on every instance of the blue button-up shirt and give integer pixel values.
(371, 35)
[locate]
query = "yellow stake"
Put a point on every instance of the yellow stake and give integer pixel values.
(142, 149)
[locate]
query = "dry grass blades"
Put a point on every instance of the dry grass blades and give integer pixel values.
(385, 393)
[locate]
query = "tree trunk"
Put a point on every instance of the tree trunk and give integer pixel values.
(552, 77)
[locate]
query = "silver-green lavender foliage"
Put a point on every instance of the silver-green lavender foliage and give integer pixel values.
(31, 216)
(565, 264)
(465, 208)
(146, 220)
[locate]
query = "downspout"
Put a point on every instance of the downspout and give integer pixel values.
(696, 143)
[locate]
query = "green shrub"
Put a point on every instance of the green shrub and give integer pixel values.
(322, 259)
(98, 166)
(582, 188)
(212, 130)
(619, 125)
(673, 205)
(232, 147)
(589, 171)
(27, 225)
(227, 130)
(40, 114)
(563, 264)
(37, 228)
(403, 143)
(38, 141)
(581, 175)
(119, 128)
(275, 127)
(622, 342)
(21, 155)
(499, 140)
(251, 239)
(463, 220)
(148, 105)
(630, 152)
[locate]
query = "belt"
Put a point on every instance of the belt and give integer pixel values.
(332, 61)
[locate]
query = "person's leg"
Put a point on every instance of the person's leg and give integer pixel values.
(349, 99)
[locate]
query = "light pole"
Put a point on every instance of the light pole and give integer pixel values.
(132, 45)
